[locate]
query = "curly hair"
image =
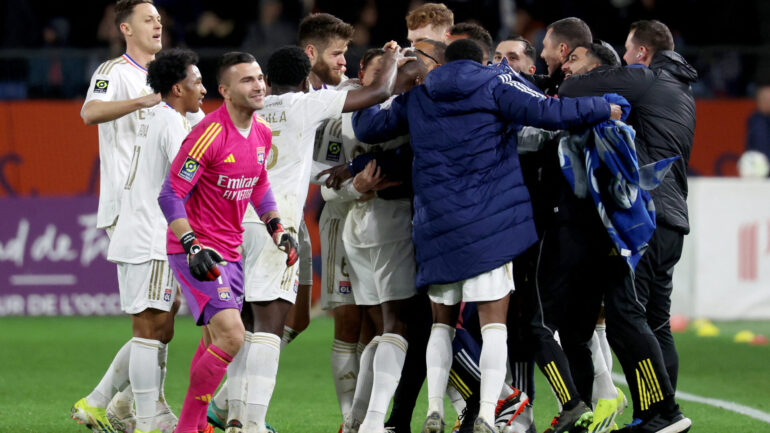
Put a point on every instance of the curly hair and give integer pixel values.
(287, 66)
(169, 68)
(435, 14)
(318, 29)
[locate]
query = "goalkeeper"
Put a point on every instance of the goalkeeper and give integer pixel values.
(218, 170)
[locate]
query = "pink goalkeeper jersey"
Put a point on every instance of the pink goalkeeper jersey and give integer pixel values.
(223, 171)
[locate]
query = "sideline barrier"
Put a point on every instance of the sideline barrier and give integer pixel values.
(725, 268)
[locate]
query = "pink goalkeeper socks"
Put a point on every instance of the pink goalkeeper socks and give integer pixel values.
(205, 376)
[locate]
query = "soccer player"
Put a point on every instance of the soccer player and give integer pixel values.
(429, 21)
(519, 53)
(351, 370)
(219, 169)
(148, 288)
(117, 100)
(271, 288)
(462, 219)
(477, 34)
(325, 38)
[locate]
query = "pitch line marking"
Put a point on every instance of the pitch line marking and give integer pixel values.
(722, 404)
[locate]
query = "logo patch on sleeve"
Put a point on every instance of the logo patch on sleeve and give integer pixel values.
(261, 154)
(101, 86)
(333, 151)
(189, 168)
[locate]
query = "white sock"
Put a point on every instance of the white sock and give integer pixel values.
(144, 374)
(603, 386)
(162, 362)
(235, 388)
(288, 336)
(601, 332)
(344, 360)
(220, 397)
(494, 354)
(115, 379)
(438, 361)
(265, 351)
(458, 402)
(364, 382)
(388, 363)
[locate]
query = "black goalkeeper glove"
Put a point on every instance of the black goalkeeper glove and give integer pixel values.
(284, 241)
(202, 261)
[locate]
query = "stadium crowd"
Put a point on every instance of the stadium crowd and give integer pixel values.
(480, 219)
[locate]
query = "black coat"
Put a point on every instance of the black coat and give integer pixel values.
(663, 115)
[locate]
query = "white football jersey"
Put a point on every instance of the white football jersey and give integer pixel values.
(140, 234)
(376, 222)
(118, 79)
(294, 118)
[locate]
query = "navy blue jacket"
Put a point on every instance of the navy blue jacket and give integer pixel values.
(472, 211)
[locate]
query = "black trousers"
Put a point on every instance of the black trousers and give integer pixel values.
(577, 268)
(574, 270)
(654, 285)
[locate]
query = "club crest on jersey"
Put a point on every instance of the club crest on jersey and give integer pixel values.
(189, 168)
(345, 287)
(101, 86)
(296, 286)
(224, 293)
(167, 295)
(333, 151)
(261, 154)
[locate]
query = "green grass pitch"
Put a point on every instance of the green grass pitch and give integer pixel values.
(46, 364)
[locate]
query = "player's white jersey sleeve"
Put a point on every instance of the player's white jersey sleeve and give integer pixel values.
(116, 80)
(196, 117)
(140, 234)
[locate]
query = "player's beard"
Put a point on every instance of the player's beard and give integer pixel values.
(326, 74)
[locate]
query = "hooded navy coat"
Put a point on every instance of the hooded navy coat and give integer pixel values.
(472, 212)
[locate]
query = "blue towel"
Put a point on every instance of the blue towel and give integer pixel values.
(622, 199)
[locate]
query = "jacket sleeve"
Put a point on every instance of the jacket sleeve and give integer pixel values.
(395, 164)
(375, 124)
(519, 104)
(628, 83)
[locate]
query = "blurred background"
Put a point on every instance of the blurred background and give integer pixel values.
(52, 259)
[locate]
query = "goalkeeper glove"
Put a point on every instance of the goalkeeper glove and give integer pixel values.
(202, 261)
(284, 241)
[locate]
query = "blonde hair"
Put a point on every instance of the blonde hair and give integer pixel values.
(435, 14)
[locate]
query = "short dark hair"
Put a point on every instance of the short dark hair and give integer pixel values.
(529, 49)
(317, 29)
(124, 9)
(287, 66)
(439, 48)
(653, 34)
(476, 33)
(571, 31)
(369, 55)
(232, 58)
(463, 49)
(169, 68)
(604, 55)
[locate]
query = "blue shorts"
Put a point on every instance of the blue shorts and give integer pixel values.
(207, 298)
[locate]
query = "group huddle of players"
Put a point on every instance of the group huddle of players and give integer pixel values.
(447, 252)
